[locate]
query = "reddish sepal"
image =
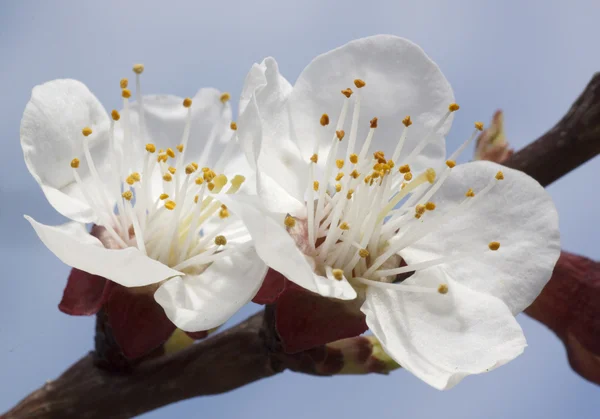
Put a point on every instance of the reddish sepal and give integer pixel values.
(305, 320)
(271, 288)
(84, 293)
(138, 322)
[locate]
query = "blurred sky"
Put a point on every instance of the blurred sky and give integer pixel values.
(530, 58)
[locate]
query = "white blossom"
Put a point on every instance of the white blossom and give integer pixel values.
(339, 216)
(149, 175)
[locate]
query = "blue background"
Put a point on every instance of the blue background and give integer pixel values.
(530, 58)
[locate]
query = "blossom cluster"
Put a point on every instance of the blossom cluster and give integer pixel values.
(332, 199)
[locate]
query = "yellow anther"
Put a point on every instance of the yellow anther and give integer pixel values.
(210, 186)
(347, 92)
(377, 166)
(339, 176)
(180, 148)
(209, 175)
(237, 181)
(124, 83)
(430, 206)
(223, 213)
(499, 175)
(162, 158)
(367, 179)
(430, 173)
(339, 163)
(494, 246)
(205, 169)
(470, 193)
(170, 153)
(196, 199)
(363, 253)
(170, 205)
(373, 123)
(127, 195)
(220, 181)
(353, 158)
(195, 165)
(340, 134)
(354, 174)
(417, 216)
(314, 158)
(126, 93)
(479, 125)
(223, 206)
(187, 102)
(443, 289)
(86, 131)
(344, 226)
(338, 274)
(150, 148)
(163, 196)
(453, 107)
(161, 150)
(450, 163)
(407, 122)
(289, 221)
(324, 119)
(338, 187)
(316, 185)
(408, 177)
(349, 193)
(220, 240)
(130, 180)
(404, 168)
(233, 126)
(172, 170)
(189, 169)
(391, 163)
(167, 177)
(375, 174)
(136, 176)
(138, 68)
(420, 209)
(359, 83)
(75, 163)
(379, 156)
(115, 115)
(225, 97)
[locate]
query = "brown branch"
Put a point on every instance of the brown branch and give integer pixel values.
(247, 352)
(574, 140)
(231, 359)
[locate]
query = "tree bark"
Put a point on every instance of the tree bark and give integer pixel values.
(574, 140)
(248, 352)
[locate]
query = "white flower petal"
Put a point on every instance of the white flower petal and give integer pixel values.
(72, 244)
(276, 199)
(442, 338)
(400, 80)
(265, 129)
(517, 212)
(51, 137)
(201, 302)
(336, 288)
(165, 118)
(250, 132)
(278, 250)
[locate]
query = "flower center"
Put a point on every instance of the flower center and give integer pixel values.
(366, 208)
(157, 201)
